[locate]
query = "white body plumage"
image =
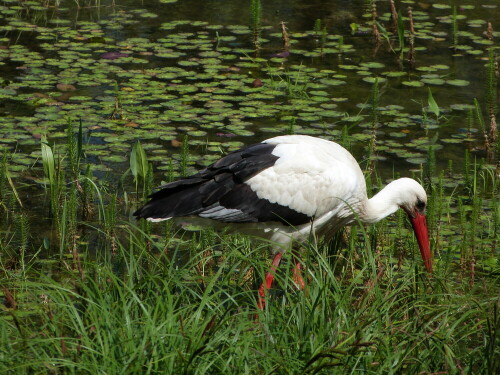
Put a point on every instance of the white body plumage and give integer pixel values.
(313, 176)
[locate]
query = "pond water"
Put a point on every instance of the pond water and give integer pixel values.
(158, 71)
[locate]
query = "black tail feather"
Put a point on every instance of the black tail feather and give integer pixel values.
(191, 195)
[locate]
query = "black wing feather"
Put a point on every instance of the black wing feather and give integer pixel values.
(219, 192)
(243, 198)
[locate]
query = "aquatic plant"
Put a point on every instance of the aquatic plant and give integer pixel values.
(491, 103)
(317, 27)
(74, 149)
(374, 112)
(375, 31)
(401, 35)
(411, 39)
(285, 37)
(22, 230)
(480, 120)
(454, 28)
(3, 177)
(394, 16)
(184, 157)
(55, 183)
(139, 166)
(255, 22)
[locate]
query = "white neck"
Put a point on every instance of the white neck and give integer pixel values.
(383, 204)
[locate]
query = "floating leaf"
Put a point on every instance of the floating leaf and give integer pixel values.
(394, 74)
(374, 79)
(433, 81)
(458, 82)
(412, 83)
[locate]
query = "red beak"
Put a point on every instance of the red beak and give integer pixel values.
(419, 224)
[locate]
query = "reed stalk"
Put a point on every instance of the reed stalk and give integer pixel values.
(468, 180)
(317, 28)
(454, 27)
(374, 112)
(482, 127)
(255, 22)
(394, 16)
(284, 36)
(489, 31)
(3, 178)
(401, 36)
(109, 219)
(491, 102)
(23, 239)
(184, 157)
(340, 45)
(411, 39)
(87, 195)
(375, 32)
(291, 126)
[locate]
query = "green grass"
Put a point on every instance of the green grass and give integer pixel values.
(103, 294)
(162, 311)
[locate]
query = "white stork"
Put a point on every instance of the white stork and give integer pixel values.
(283, 189)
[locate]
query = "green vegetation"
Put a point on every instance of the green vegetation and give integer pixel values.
(162, 304)
(255, 22)
(159, 314)
(101, 103)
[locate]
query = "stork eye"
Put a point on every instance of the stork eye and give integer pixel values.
(420, 205)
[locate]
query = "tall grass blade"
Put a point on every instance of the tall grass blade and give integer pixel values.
(49, 165)
(13, 187)
(482, 126)
(80, 140)
(433, 106)
(138, 162)
(401, 32)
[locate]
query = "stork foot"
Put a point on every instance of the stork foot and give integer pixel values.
(297, 272)
(261, 302)
(297, 277)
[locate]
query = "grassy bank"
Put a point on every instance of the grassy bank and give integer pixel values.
(159, 311)
(102, 295)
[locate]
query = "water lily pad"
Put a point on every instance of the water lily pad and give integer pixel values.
(427, 68)
(461, 107)
(398, 134)
(114, 158)
(475, 52)
(352, 67)
(433, 81)
(238, 29)
(416, 160)
(440, 66)
(394, 74)
(364, 73)
(374, 79)
(452, 140)
(458, 82)
(372, 65)
(412, 83)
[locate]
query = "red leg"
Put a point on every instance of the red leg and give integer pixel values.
(297, 272)
(269, 281)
